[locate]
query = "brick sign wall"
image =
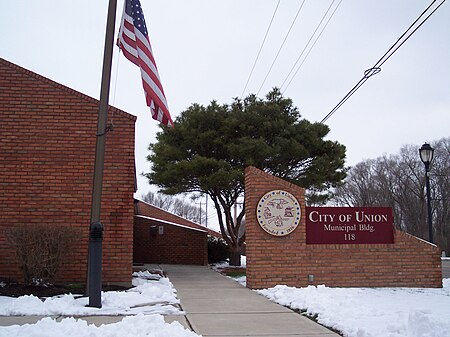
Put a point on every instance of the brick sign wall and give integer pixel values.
(289, 260)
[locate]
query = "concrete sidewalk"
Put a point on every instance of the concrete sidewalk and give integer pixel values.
(217, 306)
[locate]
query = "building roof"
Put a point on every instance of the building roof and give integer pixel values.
(171, 223)
(148, 210)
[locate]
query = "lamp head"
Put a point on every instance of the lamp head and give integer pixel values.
(426, 154)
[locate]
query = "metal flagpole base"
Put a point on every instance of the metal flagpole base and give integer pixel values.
(95, 265)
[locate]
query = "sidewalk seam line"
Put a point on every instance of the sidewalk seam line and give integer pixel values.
(187, 319)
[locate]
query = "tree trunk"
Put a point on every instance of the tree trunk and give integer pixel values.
(235, 257)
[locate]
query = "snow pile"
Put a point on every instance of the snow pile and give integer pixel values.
(151, 294)
(146, 275)
(226, 264)
(242, 280)
(372, 312)
(136, 326)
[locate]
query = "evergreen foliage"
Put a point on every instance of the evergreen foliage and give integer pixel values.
(217, 250)
(209, 148)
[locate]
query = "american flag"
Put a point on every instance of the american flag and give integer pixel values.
(134, 42)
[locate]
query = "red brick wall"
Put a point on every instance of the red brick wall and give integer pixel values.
(177, 245)
(47, 150)
(409, 262)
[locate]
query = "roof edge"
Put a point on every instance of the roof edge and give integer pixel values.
(210, 231)
(171, 213)
(171, 223)
(64, 87)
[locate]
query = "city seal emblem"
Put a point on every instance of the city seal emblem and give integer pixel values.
(278, 213)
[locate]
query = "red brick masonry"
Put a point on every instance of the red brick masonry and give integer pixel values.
(183, 241)
(47, 149)
(162, 242)
(409, 262)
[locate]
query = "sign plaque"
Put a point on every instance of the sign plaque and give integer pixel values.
(349, 225)
(278, 213)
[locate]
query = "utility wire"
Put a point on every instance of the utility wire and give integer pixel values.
(307, 44)
(281, 47)
(415, 29)
(309, 41)
(377, 67)
(260, 49)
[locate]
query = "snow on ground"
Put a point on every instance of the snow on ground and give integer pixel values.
(136, 326)
(223, 265)
(143, 304)
(372, 312)
(240, 279)
(226, 264)
(357, 312)
(150, 294)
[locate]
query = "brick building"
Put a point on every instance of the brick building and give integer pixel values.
(163, 237)
(47, 150)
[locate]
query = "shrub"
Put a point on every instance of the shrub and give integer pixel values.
(217, 250)
(40, 249)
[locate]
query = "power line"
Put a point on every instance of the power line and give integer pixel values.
(307, 44)
(415, 29)
(281, 47)
(260, 49)
(377, 67)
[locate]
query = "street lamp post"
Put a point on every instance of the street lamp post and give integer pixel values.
(426, 156)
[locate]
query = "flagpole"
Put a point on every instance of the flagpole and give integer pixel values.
(94, 286)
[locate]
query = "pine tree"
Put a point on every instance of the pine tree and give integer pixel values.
(209, 148)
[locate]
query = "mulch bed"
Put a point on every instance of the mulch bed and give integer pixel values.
(227, 270)
(14, 289)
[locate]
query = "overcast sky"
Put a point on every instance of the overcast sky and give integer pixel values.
(205, 50)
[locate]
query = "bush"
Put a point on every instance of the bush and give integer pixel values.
(217, 250)
(40, 249)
